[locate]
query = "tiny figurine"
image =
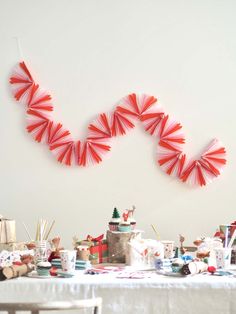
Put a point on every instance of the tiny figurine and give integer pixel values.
(55, 245)
(202, 252)
(131, 217)
(181, 240)
(115, 220)
(124, 225)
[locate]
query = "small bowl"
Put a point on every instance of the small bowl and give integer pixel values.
(43, 271)
(43, 268)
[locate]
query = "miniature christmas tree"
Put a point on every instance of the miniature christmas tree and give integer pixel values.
(115, 213)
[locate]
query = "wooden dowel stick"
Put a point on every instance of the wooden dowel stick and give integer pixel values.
(50, 230)
(45, 229)
(156, 233)
(232, 239)
(27, 231)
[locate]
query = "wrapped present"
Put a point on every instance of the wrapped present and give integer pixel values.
(7, 230)
(98, 248)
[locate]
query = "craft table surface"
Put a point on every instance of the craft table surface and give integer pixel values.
(158, 294)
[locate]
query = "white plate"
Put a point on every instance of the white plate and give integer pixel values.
(34, 274)
(65, 274)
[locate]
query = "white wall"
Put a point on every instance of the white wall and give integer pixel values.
(89, 54)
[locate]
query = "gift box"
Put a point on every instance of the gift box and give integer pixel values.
(7, 230)
(98, 249)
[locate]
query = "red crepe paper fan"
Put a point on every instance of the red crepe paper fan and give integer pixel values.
(64, 151)
(120, 124)
(209, 166)
(39, 99)
(170, 158)
(57, 134)
(21, 81)
(61, 143)
(52, 133)
(214, 157)
(171, 131)
(101, 128)
(37, 125)
(152, 119)
(196, 173)
(93, 152)
(67, 152)
(135, 106)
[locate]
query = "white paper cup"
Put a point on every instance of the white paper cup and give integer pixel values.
(168, 248)
(223, 257)
(40, 251)
(68, 259)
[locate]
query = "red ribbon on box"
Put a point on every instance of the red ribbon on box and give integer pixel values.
(98, 248)
(97, 239)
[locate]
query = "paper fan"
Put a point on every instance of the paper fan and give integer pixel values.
(152, 119)
(171, 131)
(37, 124)
(197, 174)
(21, 81)
(38, 99)
(214, 157)
(60, 143)
(57, 134)
(92, 152)
(64, 152)
(101, 128)
(135, 106)
(67, 152)
(208, 167)
(129, 106)
(120, 124)
(171, 158)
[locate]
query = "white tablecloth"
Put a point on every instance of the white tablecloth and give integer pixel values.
(158, 294)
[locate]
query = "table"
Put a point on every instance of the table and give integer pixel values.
(158, 294)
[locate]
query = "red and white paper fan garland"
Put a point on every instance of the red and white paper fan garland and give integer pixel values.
(93, 149)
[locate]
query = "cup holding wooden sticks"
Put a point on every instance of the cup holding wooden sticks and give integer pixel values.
(40, 245)
(40, 251)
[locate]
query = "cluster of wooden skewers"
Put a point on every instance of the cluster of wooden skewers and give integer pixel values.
(43, 230)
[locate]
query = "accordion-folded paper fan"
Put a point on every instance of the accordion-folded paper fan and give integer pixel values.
(130, 110)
